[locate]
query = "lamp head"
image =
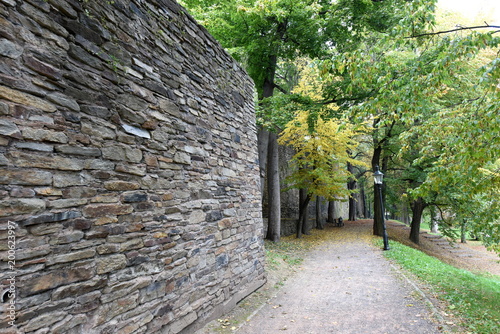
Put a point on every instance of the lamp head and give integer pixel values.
(378, 176)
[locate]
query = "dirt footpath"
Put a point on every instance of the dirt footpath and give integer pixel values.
(345, 286)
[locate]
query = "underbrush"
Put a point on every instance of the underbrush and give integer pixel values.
(473, 298)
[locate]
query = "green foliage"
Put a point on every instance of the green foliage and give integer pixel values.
(473, 298)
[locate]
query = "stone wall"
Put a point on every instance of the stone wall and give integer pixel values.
(128, 170)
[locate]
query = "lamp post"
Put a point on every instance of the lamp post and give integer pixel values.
(378, 177)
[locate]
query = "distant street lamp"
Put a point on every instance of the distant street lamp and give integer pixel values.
(378, 177)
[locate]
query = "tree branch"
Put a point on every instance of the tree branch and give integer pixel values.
(281, 89)
(486, 26)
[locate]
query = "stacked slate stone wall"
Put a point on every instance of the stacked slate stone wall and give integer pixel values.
(128, 170)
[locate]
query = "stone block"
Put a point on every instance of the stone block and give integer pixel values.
(70, 322)
(136, 243)
(10, 129)
(111, 263)
(3, 160)
(68, 180)
(71, 257)
(31, 253)
(98, 111)
(114, 153)
(136, 131)
(98, 131)
(44, 281)
(66, 238)
(51, 217)
(133, 197)
(44, 135)
(44, 321)
(108, 248)
(43, 68)
(22, 192)
(46, 229)
(99, 210)
(97, 164)
(79, 150)
(133, 155)
(65, 8)
(21, 206)
(66, 203)
(26, 99)
(10, 49)
(25, 177)
(139, 170)
(80, 289)
(47, 162)
(83, 56)
(35, 146)
(79, 192)
(117, 307)
(63, 100)
(44, 20)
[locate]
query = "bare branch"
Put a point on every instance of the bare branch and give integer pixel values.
(486, 26)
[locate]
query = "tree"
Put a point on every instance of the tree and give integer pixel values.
(398, 82)
(322, 145)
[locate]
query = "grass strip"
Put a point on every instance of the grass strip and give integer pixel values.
(473, 298)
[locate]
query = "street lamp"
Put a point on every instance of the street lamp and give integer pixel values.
(378, 177)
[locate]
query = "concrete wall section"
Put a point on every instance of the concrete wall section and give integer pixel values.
(128, 167)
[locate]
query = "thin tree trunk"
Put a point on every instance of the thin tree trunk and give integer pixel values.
(305, 215)
(262, 143)
(351, 185)
(417, 209)
(303, 211)
(365, 210)
(405, 217)
(463, 232)
(331, 212)
(434, 221)
(319, 225)
(273, 187)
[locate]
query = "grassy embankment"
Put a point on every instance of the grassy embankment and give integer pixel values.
(475, 299)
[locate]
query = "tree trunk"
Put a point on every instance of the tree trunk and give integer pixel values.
(463, 232)
(305, 215)
(351, 185)
(434, 221)
(363, 209)
(262, 143)
(273, 180)
(378, 228)
(417, 209)
(331, 212)
(273, 188)
(319, 225)
(303, 211)
(405, 217)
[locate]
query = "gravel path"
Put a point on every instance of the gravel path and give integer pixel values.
(345, 286)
